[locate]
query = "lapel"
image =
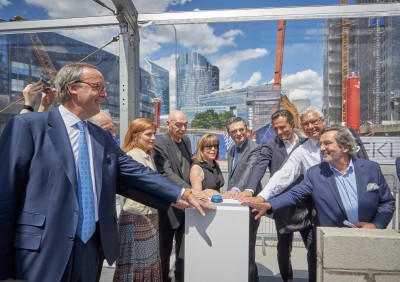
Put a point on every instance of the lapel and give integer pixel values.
(173, 152)
(330, 179)
(230, 159)
(281, 149)
(98, 144)
(240, 154)
(59, 137)
(361, 181)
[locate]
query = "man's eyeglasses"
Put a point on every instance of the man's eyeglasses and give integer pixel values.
(314, 122)
(99, 87)
(241, 130)
(209, 147)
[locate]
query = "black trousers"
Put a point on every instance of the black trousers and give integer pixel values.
(85, 261)
(284, 249)
(253, 226)
(166, 241)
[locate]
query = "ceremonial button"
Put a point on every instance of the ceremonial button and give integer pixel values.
(216, 199)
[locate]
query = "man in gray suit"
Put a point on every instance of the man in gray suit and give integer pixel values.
(173, 160)
(241, 159)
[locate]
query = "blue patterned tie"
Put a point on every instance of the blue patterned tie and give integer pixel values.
(86, 218)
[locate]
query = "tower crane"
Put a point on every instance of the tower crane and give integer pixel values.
(41, 52)
(285, 102)
(345, 58)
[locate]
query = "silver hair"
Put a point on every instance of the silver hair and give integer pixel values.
(344, 137)
(68, 74)
(306, 110)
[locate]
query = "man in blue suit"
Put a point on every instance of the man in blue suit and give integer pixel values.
(342, 188)
(273, 154)
(39, 206)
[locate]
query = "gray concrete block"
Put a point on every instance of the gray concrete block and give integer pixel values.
(358, 249)
(384, 277)
(337, 276)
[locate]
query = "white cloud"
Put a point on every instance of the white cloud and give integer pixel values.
(4, 3)
(306, 84)
(229, 62)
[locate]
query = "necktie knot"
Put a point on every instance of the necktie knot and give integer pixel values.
(81, 126)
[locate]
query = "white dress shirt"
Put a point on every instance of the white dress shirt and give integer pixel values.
(70, 121)
(302, 158)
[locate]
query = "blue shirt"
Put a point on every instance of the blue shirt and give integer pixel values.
(347, 186)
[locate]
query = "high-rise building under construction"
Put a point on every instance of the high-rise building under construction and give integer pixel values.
(369, 49)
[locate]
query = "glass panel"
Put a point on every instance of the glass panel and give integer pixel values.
(26, 58)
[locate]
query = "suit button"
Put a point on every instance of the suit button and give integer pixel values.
(71, 238)
(75, 212)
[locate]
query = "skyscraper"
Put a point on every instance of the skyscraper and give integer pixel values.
(161, 79)
(194, 79)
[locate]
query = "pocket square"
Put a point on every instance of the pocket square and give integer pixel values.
(372, 187)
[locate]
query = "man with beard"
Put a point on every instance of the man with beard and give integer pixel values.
(342, 188)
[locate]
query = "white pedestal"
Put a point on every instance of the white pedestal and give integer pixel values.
(217, 245)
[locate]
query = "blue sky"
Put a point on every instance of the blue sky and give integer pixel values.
(244, 52)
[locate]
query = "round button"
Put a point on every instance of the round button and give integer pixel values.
(216, 199)
(75, 212)
(71, 238)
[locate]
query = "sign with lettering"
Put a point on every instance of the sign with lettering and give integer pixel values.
(382, 150)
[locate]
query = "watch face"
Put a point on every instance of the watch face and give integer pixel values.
(216, 199)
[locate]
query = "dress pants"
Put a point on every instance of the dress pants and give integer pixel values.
(284, 249)
(85, 261)
(253, 226)
(166, 241)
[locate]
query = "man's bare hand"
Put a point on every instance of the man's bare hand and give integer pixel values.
(254, 200)
(244, 194)
(230, 194)
(199, 205)
(259, 208)
(367, 225)
(181, 204)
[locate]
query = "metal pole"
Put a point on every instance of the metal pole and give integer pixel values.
(176, 68)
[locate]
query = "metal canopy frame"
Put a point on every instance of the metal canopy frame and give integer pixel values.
(129, 21)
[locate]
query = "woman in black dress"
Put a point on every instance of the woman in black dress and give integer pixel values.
(205, 174)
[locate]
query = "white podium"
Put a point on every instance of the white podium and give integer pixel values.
(217, 245)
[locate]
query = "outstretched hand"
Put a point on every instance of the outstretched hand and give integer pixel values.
(259, 208)
(199, 205)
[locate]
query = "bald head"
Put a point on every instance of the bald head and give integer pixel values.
(104, 120)
(177, 125)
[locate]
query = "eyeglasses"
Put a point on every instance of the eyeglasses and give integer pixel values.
(241, 130)
(209, 147)
(99, 87)
(313, 122)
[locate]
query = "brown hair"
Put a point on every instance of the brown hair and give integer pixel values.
(204, 141)
(136, 128)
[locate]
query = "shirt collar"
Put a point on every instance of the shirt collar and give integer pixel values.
(349, 169)
(69, 118)
(287, 143)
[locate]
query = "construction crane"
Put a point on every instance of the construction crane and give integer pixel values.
(345, 58)
(285, 102)
(41, 53)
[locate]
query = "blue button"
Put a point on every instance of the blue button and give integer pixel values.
(216, 199)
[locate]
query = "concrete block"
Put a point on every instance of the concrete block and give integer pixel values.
(336, 276)
(358, 249)
(384, 277)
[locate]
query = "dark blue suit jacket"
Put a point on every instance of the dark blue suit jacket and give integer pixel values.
(375, 206)
(38, 201)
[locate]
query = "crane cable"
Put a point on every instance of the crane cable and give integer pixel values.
(114, 39)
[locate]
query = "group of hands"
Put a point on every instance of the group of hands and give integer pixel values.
(200, 200)
(31, 92)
